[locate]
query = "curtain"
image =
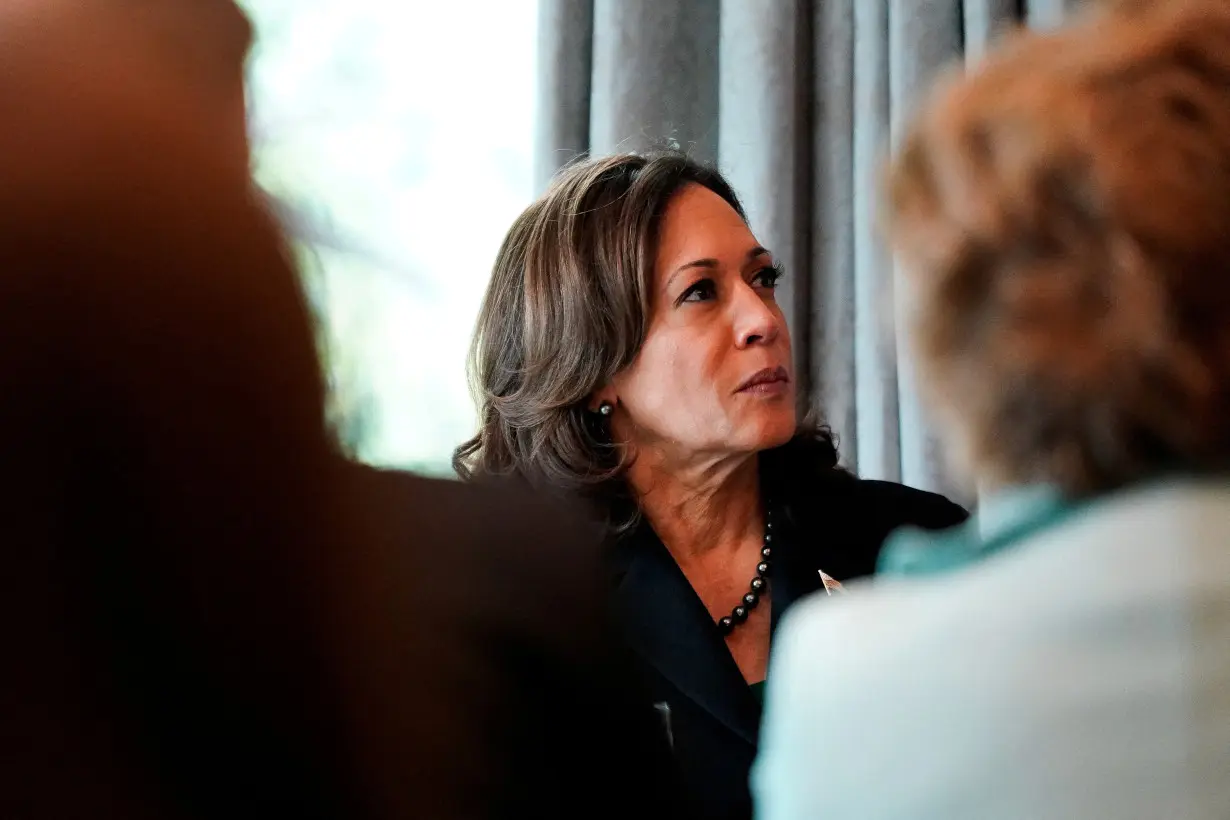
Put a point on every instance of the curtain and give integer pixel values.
(797, 102)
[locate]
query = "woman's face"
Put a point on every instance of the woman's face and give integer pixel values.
(714, 376)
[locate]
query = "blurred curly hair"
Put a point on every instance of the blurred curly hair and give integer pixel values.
(1061, 216)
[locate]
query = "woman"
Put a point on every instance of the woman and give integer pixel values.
(630, 350)
(1063, 215)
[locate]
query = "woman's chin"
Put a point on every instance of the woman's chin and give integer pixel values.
(771, 430)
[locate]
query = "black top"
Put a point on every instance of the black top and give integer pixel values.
(833, 522)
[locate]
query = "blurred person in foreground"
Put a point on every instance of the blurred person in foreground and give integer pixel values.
(1063, 217)
(205, 612)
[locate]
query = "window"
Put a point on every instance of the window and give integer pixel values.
(398, 137)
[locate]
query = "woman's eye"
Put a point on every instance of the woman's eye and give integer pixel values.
(768, 277)
(701, 291)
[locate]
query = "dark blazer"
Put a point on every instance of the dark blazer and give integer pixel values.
(834, 523)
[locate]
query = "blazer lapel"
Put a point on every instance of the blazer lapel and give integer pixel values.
(791, 579)
(824, 537)
(668, 626)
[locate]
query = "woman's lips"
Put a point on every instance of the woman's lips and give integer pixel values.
(772, 381)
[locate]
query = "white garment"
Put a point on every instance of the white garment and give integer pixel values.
(1083, 672)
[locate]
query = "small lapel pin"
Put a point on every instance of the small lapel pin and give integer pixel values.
(830, 583)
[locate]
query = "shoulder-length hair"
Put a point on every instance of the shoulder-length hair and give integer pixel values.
(567, 308)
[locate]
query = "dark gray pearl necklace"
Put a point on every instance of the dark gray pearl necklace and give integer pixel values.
(759, 584)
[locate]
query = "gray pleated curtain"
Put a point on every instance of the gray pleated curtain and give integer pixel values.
(797, 101)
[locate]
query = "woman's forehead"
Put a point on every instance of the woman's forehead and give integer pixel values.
(699, 224)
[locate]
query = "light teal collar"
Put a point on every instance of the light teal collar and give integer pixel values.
(1001, 520)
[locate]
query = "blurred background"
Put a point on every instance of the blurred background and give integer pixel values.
(398, 192)
(402, 138)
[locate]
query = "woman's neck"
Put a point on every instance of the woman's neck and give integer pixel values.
(700, 510)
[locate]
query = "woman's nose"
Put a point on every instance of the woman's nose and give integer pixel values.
(755, 320)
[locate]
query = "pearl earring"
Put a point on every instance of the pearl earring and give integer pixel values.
(606, 408)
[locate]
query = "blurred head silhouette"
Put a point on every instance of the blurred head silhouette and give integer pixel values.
(205, 612)
(1062, 217)
(162, 439)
